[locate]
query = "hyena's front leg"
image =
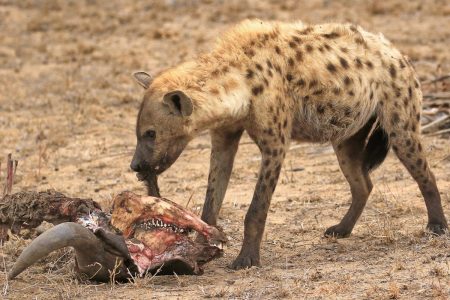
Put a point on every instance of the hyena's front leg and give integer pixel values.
(255, 220)
(224, 148)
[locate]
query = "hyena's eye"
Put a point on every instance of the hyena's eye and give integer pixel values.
(150, 134)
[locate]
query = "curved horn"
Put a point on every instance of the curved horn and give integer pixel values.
(89, 250)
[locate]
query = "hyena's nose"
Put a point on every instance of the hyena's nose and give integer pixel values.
(135, 165)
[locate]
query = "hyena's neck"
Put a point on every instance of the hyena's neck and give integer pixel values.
(222, 100)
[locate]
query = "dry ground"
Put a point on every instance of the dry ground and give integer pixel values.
(67, 112)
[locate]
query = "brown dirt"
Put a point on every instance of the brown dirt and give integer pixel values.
(68, 108)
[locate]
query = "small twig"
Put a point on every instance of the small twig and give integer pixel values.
(190, 198)
(438, 132)
(437, 96)
(435, 122)
(6, 284)
(440, 78)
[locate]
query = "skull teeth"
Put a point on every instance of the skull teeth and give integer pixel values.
(155, 223)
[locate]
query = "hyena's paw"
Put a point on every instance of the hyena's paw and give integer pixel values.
(437, 228)
(245, 261)
(337, 231)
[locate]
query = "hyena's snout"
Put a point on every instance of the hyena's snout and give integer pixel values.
(136, 164)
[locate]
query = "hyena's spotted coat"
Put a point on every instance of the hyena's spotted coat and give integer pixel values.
(281, 82)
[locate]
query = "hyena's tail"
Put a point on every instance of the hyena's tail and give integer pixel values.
(377, 146)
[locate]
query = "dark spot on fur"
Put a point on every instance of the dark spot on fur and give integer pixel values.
(395, 148)
(249, 74)
(347, 80)
(296, 39)
(278, 68)
(307, 30)
(289, 77)
(419, 162)
(416, 83)
(290, 61)
(256, 90)
(418, 117)
(369, 64)
(347, 111)
(269, 72)
(358, 63)
(269, 64)
(277, 50)
(317, 92)
(392, 71)
(371, 95)
(351, 93)
(401, 64)
(249, 52)
(285, 124)
(313, 83)
(410, 92)
(343, 62)
(331, 35)
(301, 82)
(278, 166)
(299, 55)
(309, 48)
(406, 126)
(360, 40)
(395, 118)
(259, 67)
(292, 44)
(320, 109)
(336, 91)
(331, 67)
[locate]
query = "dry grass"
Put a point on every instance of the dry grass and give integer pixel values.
(68, 107)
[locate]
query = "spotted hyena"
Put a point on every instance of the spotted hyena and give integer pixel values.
(280, 82)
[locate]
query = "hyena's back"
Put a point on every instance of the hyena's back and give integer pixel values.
(338, 76)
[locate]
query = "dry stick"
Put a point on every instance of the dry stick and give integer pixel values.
(1, 173)
(10, 174)
(437, 96)
(438, 132)
(441, 78)
(190, 198)
(435, 122)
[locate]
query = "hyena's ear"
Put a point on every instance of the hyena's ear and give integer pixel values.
(179, 103)
(143, 79)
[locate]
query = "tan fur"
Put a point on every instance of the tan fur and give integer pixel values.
(282, 81)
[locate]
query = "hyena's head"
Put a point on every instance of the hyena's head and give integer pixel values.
(161, 127)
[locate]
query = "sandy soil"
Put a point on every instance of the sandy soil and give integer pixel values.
(67, 111)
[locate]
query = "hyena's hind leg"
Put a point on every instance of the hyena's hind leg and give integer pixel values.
(405, 139)
(357, 157)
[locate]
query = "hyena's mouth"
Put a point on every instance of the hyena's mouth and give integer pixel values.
(151, 181)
